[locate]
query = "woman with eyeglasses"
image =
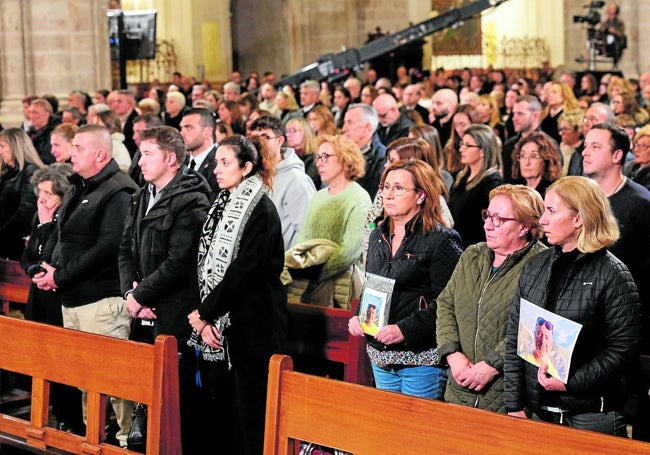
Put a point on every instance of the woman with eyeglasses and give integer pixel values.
(480, 157)
(474, 307)
(336, 214)
(639, 168)
(580, 280)
(413, 247)
(536, 161)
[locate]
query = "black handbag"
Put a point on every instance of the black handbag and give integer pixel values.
(137, 439)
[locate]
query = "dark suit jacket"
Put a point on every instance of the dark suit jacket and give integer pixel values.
(207, 170)
(397, 130)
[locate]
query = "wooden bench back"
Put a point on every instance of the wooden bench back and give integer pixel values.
(323, 332)
(101, 365)
(367, 421)
(14, 284)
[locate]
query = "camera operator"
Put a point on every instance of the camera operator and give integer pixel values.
(613, 29)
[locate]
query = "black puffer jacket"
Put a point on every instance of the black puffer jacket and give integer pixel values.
(86, 240)
(421, 268)
(17, 208)
(159, 250)
(598, 292)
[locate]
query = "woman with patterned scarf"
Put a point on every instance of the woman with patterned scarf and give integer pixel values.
(241, 319)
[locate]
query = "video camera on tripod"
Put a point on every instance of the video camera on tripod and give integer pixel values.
(592, 18)
(594, 36)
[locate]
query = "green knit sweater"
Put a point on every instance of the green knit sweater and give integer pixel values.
(339, 218)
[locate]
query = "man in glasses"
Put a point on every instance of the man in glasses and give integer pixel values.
(292, 187)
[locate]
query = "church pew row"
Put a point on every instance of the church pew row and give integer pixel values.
(366, 421)
(14, 284)
(104, 367)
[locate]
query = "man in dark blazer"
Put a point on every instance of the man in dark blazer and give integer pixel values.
(197, 128)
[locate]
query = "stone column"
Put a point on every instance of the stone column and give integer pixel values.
(50, 46)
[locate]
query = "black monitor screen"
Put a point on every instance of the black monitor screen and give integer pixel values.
(139, 34)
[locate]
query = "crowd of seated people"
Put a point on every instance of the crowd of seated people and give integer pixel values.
(463, 175)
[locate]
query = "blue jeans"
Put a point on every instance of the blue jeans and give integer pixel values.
(418, 381)
(612, 422)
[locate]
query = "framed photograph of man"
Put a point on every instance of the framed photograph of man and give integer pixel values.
(546, 338)
(374, 307)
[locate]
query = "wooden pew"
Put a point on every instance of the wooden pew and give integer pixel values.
(14, 284)
(322, 332)
(367, 421)
(101, 365)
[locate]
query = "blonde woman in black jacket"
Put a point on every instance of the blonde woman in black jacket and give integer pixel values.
(580, 280)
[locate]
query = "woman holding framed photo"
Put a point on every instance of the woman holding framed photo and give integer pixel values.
(413, 247)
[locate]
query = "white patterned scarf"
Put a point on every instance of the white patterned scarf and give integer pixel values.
(219, 246)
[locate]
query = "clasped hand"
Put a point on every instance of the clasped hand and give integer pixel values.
(473, 376)
(45, 280)
(208, 332)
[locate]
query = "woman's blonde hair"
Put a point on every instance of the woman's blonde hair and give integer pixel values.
(21, 148)
(293, 105)
(308, 136)
(573, 117)
(326, 119)
(495, 116)
(583, 195)
(348, 155)
(570, 101)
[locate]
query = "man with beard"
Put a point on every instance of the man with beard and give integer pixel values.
(443, 107)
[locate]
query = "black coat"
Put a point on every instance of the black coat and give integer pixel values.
(17, 208)
(85, 244)
(159, 250)
(466, 205)
(41, 140)
(251, 289)
(598, 292)
(42, 306)
(421, 268)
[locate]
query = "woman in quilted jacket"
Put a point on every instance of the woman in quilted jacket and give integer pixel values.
(473, 308)
(579, 280)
